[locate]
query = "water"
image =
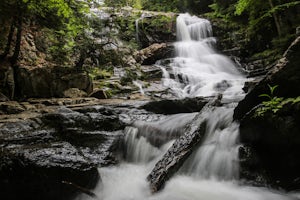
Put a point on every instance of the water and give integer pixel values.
(198, 70)
(137, 29)
(217, 158)
(140, 86)
(212, 171)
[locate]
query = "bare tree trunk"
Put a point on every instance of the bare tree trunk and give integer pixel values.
(276, 19)
(18, 40)
(9, 39)
(14, 59)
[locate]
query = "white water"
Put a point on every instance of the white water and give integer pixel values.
(140, 86)
(211, 172)
(217, 158)
(198, 69)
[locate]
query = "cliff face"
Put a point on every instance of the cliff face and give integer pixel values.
(271, 138)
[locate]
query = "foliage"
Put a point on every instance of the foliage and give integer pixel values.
(273, 104)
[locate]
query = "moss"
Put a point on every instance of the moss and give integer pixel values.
(161, 23)
(97, 74)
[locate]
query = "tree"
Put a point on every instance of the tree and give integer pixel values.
(259, 11)
(65, 17)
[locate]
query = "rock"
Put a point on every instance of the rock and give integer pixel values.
(86, 118)
(99, 94)
(11, 107)
(285, 74)
(154, 52)
(186, 105)
(3, 97)
(171, 161)
(58, 153)
(35, 163)
(151, 72)
(74, 93)
(50, 81)
(157, 28)
(273, 146)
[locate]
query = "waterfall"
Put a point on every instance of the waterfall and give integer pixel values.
(137, 29)
(217, 157)
(197, 68)
(211, 172)
(140, 86)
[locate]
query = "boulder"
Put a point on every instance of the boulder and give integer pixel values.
(74, 93)
(99, 94)
(156, 28)
(56, 156)
(47, 81)
(36, 164)
(175, 106)
(151, 72)
(11, 107)
(285, 74)
(154, 52)
(174, 158)
(272, 147)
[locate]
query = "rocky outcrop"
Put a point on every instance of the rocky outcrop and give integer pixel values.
(156, 28)
(175, 106)
(153, 53)
(285, 74)
(169, 164)
(49, 81)
(272, 147)
(56, 156)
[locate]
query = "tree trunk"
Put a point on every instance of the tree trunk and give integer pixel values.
(80, 62)
(16, 54)
(18, 40)
(9, 39)
(276, 19)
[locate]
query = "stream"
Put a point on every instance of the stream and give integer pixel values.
(212, 171)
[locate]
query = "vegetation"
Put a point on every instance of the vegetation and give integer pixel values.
(274, 103)
(69, 29)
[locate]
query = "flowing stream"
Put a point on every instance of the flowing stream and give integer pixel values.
(212, 171)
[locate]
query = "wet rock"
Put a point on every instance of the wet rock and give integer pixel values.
(273, 141)
(87, 118)
(285, 74)
(151, 72)
(50, 81)
(39, 172)
(56, 155)
(35, 163)
(186, 105)
(171, 161)
(154, 52)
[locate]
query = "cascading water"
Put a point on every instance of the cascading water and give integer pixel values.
(198, 70)
(217, 157)
(211, 172)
